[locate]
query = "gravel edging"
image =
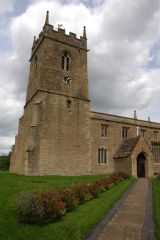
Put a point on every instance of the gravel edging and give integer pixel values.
(108, 216)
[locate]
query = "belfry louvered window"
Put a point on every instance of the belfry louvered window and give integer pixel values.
(65, 61)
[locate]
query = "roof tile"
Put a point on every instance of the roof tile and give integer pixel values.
(126, 147)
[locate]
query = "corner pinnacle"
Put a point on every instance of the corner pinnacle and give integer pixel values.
(34, 39)
(84, 32)
(135, 114)
(47, 18)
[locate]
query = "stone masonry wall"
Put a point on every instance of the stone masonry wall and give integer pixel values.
(123, 165)
(53, 139)
(24, 160)
(114, 138)
(65, 137)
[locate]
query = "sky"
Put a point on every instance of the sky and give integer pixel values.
(123, 61)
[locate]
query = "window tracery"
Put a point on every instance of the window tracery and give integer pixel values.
(66, 60)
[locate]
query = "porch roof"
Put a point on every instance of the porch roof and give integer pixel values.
(126, 147)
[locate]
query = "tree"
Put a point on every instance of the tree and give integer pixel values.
(12, 150)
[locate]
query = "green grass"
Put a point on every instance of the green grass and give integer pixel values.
(156, 206)
(73, 226)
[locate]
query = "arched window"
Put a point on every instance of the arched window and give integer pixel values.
(67, 64)
(65, 61)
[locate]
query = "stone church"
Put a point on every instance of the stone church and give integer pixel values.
(58, 133)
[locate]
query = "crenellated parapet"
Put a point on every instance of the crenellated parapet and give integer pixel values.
(59, 35)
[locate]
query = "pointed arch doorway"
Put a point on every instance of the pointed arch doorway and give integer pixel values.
(141, 165)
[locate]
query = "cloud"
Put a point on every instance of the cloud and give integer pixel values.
(123, 62)
(6, 6)
(120, 52)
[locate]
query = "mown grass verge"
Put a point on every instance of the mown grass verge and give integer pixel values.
(156, 206)
(74, 226)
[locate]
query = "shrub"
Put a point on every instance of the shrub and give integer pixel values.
(69, 197)
(123, 175)
(158, 176)
(40, 208)
(115, 179)
(108, 183)
(101, 186)
(94, 189)
(82, 192)
(45, 207)
(4, 162)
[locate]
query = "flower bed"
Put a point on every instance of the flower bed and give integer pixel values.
(45, 207)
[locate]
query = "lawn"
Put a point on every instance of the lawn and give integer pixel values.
(156, 206)
(73, 226)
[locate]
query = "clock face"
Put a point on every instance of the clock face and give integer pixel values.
(67, 79)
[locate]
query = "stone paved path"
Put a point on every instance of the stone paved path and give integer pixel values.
(130, 222)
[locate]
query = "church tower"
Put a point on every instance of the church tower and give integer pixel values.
(54, 132)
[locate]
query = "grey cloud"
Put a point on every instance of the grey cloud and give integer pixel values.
(129, 19)
(6, 6)
(126, 31)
